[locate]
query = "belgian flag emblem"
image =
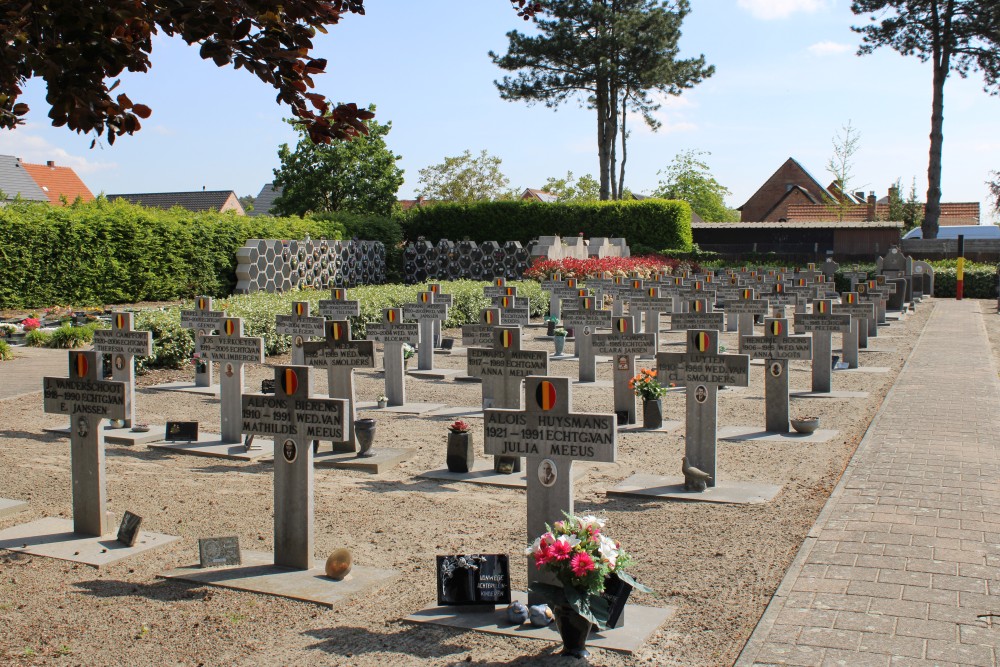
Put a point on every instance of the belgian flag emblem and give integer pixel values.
(697, 306)
(338, 330)
(119, 321)
(586, 303)
(390, 315)
(779, 288)
(81, 366)
(708, 278)
(300, 308)
(621, 325)
(425, 297)
(571, 283)
(202, 303)
(636, 284)
(505, 302)
(488, 316)
(510, 291)
(338, 295)
(545, 395)
(776, 328)
(653, 292)
(499, 282)
(435, 288)
(849, 298)
(701, 341)
(230, 327)
(747, 294)
(733, 280)
(506, 338)
(802, 282)
(289, 381)
(821, 307)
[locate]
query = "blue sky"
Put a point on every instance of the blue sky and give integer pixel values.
(787, 80)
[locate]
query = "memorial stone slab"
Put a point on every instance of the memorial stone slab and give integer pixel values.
(776, 348)
(551, 437)
(586, 319)
(339, 354)
(551, 286)
(202, 321)
(624, 345)
(650, 302)
(301, 327)
(440, 297)
(697, 317)
(393, 333)
(822, 323)
(338, 306)
(497, 288)
(124, 345)
(426, 311)
(860, 312)
(481, 334)
(514, 310)
(746, 306)
(231, 349)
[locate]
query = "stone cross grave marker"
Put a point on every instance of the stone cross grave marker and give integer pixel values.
(551, 437)
(503, 367)
(697, 317)
(301, 327)
(830, 269)
(585, 319)
(426, 311)
(776, 348)
(624, 345)
(496, 288)
(232, 350)
(339, 354)
(851, 305)
(822, 323)
(703, 370)
(651, 301)
(124, 345)
(440, 297)
(601, 284)
(550, 286)
(568, 289)
(746, 306)
(393, 332)
(869, 326)
(202, 321)
(481, 333)
(514, 310)
(338, 306)
(87, 399)
(294, 419)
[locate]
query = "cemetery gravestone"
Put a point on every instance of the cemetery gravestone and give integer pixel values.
(481, 334)
(822, 323)
(551, 437)
(746, 307)
(585, 319)
(301, 327)
(124, 344)
(393, 333)
(859, 312)
(776, 347)
(440, 297)
(514, 310)
(624, 345)
(426, 311)
(651, 302)
(339, 354)
(697, 317)
(203, 321)
(338, 306)
(231, 349)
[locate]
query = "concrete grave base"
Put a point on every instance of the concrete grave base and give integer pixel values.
(468, 378)
(404, 409)
(741, 433)
(384, 458)
(121, 436)
(667, 427)
(54, 538)
(597, 384)
(864, 369)
(672, 488)
(258, 574)
(640, 623)
(482, 473)
(561, 357)
(210, 444)
(806, 367)
(456, 411)
(828, 394)
(187, 388)
(10, 507)
(435, 374)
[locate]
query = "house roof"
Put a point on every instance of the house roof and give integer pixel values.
(57, 182)
(199, 200)
(15, 180)
(262, 202)
(819, 186)
(788, 193)
(952, 213)
(540, 195)
(812, 224)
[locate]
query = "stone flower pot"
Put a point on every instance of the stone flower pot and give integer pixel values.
(461, 451)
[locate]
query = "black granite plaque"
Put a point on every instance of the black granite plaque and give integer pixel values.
(185, 431)
(267, 386)
(480, 579)
(616, 592)
(128, 531)
(219, 551)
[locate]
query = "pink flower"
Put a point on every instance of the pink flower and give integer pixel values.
(30, 323)
(582, 564)
(542, 555)
(560, 550)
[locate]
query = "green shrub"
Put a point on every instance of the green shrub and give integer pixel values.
(37, 338)
(979, 282)
(651, 224)
(6, 353)
(172, 344)
(114, 252)
(68, 337)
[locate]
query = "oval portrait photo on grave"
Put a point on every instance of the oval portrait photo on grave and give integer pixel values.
(547, 473)
(229, 370)
(289, 451)
(119, 361)
(298, 341)
(776, 369)
(701, 393)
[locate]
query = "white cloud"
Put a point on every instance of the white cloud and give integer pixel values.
(767, 10)
(38, 150)
(829, 48)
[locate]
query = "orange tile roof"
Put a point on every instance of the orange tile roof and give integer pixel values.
(57, 182)
(952, 213)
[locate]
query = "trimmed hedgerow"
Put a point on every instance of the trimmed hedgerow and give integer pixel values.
(647, 226)
(114, 252)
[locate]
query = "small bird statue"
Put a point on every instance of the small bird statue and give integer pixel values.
(694, 479)
(540, 615)
(517, 612)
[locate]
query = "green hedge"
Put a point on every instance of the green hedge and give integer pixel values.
(648, 225)
(980, 283)
(114, 252)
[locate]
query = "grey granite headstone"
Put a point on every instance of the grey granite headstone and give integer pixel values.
(231, 349)
(624, 344)
(124, 345)
(860, 312)
(776, 347)
(426, 311)
(202, 321)
(585, 319)
(301, 327)
(393, 333)
(822, 323)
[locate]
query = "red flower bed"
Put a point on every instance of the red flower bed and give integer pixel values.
(582, 269)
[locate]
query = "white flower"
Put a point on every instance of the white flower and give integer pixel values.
(591, 520)
(608, 550)
(572, 540)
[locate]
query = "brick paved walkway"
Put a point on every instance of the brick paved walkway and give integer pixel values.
(905, 557)
(24, 374)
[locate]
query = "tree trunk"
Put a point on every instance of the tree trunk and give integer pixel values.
(621, 175)
(933, 210)
(613, 140)
(601, 105)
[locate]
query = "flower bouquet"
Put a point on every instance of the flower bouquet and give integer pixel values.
(408, 351)
(582, 558)
(646, 386)
(459, 426)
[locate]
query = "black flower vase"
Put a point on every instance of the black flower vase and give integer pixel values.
(574, 628)
(364, 432)
(461, 453)
(652, 413)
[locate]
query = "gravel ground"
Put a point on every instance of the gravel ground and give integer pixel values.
(717, 565)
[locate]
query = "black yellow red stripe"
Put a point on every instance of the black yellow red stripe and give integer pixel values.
(545, 395)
